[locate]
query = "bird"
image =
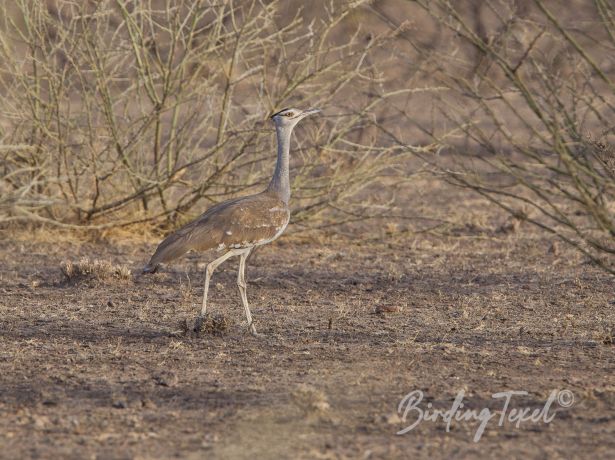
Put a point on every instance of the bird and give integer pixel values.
(236, 226)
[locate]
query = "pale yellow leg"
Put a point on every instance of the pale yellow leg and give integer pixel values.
(241, 283)
(208, 272)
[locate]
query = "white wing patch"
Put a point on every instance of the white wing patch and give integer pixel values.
(280, 230)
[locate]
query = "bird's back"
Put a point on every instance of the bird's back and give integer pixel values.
(237, 223)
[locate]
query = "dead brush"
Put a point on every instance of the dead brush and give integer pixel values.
(605, 152)
(212, 324)
(510, 118)
(98, 270)
(164, 89)
(311, 401)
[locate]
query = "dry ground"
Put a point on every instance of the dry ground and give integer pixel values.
(94, 369)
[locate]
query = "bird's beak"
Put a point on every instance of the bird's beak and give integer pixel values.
(309, 112)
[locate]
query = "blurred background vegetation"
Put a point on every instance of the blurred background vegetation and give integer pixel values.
(117, 113)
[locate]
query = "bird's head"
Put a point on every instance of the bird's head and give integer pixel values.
(290, 117)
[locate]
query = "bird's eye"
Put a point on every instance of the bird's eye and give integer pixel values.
(289, 114)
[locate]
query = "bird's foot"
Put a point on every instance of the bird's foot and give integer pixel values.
(253, 330)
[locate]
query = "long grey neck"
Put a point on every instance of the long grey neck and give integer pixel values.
(280, 182)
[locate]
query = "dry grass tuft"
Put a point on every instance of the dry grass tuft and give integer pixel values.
(310, 400)
(216, 324)
(99, 270)
(606, 336)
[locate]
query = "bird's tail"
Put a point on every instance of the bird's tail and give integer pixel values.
(172, 247)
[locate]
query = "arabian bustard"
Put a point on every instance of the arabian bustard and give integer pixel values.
(237, 226)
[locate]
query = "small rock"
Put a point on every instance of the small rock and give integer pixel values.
(393, 419)
(166, 379)
(119, 404)
(381, 309)
(40, 421)
(148, 403)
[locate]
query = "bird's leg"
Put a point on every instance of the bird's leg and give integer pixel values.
(241, 283)
(208, 272)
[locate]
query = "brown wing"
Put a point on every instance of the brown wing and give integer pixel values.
(256, 220)
(237, 223)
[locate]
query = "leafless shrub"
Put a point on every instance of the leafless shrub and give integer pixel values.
(604, 152)
(99, 270)
(122, 112)
(524, 91)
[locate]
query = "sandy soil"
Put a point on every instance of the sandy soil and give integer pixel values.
(102, 368)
